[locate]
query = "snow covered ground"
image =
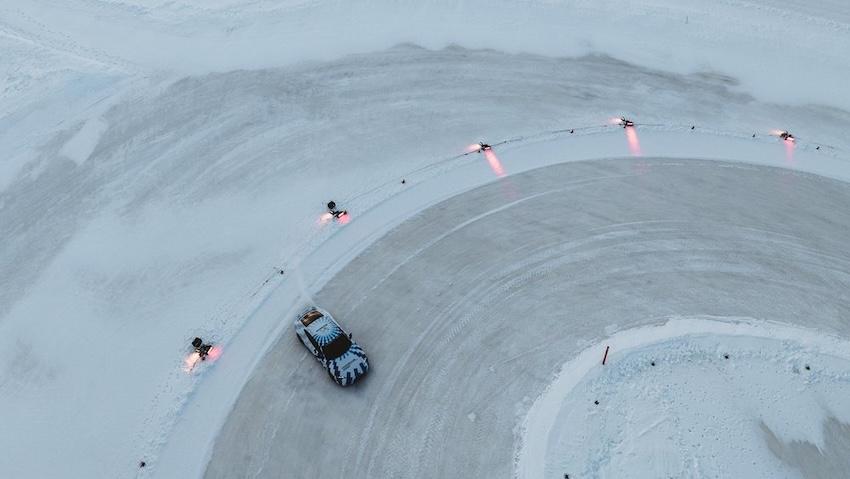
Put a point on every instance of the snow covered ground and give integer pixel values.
(470, 308)
(161, 160)
(693, 398)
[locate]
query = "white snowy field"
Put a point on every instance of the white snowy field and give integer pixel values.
(161, 160)
(693, 397)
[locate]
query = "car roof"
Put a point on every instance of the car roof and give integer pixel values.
(324, 328)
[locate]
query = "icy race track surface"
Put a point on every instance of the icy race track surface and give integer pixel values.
(469, 308)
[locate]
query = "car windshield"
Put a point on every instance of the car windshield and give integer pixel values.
(337, 347)
(310, 317)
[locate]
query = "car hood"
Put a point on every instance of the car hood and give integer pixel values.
(349, 367)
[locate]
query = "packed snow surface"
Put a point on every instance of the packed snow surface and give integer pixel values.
(470, 307)
(163, 161)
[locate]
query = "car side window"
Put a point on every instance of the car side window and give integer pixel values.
(312, 341)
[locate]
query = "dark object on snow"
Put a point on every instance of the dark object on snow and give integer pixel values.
(202, 349)
(142, 464)
(818, 148)
(786, 136)
(754, 135)
(652, 363)
(692, 127)
(483, 147)
(335, 212)
(725, 356)
(626, 122)
(596, 402)
(572, 131)
(402, 181)
(808, 368)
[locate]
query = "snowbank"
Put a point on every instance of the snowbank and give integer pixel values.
(690, 397)
(778, 52)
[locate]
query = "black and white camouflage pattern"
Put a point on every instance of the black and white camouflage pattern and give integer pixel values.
(345, 369)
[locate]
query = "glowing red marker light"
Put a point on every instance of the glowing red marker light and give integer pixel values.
(789, 141)
(494, 162)
(783, 135)
(194, 358)
(344, 219)
(789, 150)
(622, 121)
(634, 143)
(215, 353)
(478, 148)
